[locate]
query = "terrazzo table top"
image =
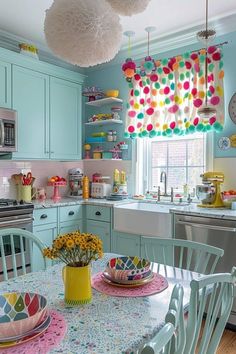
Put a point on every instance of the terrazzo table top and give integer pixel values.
(108, 324)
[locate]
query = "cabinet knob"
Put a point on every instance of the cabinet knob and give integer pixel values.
(97, 213)
(71, 213)
(43, 216)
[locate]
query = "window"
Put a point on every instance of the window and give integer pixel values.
(182, 159)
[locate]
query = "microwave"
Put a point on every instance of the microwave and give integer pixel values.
(8, 130)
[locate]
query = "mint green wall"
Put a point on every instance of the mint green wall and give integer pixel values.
(111, 77)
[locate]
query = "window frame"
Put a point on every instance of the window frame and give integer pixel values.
(143, 160)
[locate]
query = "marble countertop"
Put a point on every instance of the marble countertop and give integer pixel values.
(193, 209)
(49, 203)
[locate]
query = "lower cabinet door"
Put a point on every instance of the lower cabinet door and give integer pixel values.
(125, 244)
(102, 230)
(70, 226)
(46, 234)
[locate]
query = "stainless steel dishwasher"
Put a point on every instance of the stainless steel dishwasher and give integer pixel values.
(216, 232)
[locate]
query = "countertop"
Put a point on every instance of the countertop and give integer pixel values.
(192, 209)
(49, 203)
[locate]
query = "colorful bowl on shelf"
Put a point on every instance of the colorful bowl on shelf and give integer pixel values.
(128, 268)
(20, 312)
(112, 93)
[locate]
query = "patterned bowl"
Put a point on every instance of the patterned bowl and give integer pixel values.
(20, 312)
(128, 268)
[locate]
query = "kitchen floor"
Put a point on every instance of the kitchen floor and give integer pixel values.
(228, 343)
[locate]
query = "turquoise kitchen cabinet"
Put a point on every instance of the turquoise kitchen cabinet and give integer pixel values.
(45, 228)
(102, 230)
(126, 244)
(5, 84)
(98, 222)
(70, 226)
(46, 131)
(70, 218)
(48, 100)
(30, 92)
(46, 233)
(65, 119)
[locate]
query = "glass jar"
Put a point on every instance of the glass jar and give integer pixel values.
(110, 135)
(114, 135)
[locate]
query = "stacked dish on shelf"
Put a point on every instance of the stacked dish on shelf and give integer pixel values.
(128, 272)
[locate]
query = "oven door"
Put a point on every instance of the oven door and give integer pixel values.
(22, 222)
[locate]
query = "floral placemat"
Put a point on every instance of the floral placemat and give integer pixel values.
(44, 342)
(158, 284)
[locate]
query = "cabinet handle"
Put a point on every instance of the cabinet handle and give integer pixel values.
(52, 152)
(43, 216)
(98, 213)
(71, 213)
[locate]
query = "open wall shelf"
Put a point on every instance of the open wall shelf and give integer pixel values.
(104, 101)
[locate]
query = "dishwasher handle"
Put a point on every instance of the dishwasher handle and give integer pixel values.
(205, 226)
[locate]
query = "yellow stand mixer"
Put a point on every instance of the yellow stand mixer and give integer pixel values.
(209, 191)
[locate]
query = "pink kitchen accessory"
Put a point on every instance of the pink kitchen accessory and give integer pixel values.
(158, 284)
(45, 342)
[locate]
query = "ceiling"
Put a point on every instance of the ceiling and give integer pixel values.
(25, 18)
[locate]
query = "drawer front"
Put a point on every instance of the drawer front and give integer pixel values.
(45, 216)
(70, 213)
(96, 212)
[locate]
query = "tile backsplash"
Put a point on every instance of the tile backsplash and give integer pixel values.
(41, 170)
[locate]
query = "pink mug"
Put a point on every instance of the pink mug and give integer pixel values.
(41, 193)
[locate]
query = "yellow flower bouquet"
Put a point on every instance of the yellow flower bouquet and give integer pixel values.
(76, 249)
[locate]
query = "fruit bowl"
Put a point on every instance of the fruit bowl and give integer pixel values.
(127, 268)
(112, 93)
(20, 312)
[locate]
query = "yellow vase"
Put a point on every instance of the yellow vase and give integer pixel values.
(77, 282)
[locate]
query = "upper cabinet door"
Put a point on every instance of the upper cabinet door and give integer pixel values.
(65, 119)
(30, 94)
(5, 84)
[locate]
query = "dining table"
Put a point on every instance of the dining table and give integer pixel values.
(108, 324)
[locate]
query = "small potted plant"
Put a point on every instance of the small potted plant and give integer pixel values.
(76, 250)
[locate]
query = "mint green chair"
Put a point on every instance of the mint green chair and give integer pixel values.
(212, 299)
(16, 246)
(190, 255)
(166, 341)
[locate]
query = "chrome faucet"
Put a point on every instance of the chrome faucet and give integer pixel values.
(163, 175)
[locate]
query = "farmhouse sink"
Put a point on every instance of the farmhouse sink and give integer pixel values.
(143, 219)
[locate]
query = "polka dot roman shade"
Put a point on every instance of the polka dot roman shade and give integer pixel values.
(165, 95)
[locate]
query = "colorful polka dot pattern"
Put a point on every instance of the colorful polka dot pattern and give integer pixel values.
(165, 95)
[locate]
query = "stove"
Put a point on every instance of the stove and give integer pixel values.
(19, 215)
(13, 204)
(13, 213)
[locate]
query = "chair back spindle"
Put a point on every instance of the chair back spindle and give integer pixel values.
(190, 255)
(13, 245)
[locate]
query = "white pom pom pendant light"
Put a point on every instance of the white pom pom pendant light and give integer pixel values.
(128, 7)
(84, 33)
